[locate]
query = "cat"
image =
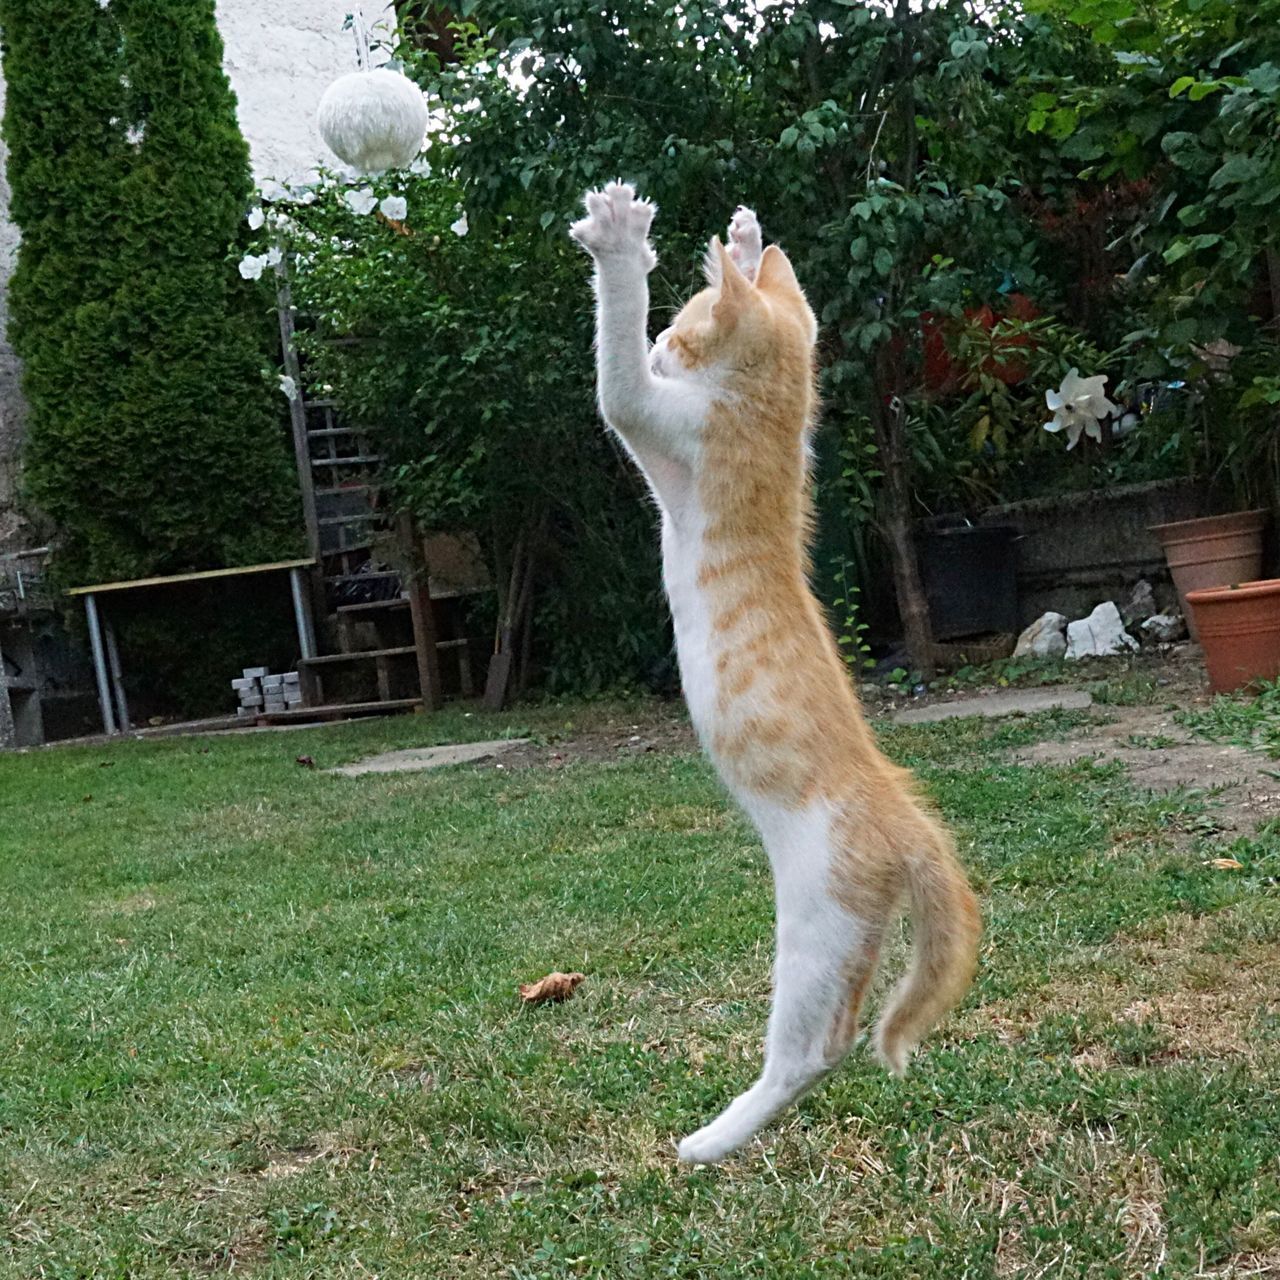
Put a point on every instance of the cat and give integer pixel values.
(718, 414)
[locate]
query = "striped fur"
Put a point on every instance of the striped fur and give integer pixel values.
(718, 414)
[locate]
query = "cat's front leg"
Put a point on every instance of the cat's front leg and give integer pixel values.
(656, 418)
(746, 242)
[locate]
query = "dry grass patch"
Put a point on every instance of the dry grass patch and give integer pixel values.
(1174, 977)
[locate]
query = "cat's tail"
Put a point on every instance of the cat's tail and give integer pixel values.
(946, 926)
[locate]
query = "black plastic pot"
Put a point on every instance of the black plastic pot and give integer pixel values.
(970, 579)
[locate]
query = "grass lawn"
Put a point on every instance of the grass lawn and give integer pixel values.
(263, 1020)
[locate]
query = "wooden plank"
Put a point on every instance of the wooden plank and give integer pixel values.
(336, 490)
(364, 655)
(421, 613)
(337, 711)
(356, 460)
(297, 408)
(373, 606)
(204, 575)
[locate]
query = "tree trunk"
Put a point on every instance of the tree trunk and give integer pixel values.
(889, 410)
(896, 523)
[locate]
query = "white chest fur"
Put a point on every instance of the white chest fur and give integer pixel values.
(691, 613)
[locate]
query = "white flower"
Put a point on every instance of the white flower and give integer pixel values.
(256, 218)
(273, 190)
(460, 227)
(395, 208)
(288, 386)
(361, 202)
(252, 266)
(274, 256)
(1079, 406)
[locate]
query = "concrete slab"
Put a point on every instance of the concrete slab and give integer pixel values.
(991, 706)
(413, 759)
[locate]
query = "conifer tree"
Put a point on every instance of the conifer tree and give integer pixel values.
(155, 445)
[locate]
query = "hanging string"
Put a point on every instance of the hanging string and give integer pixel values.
(362, 38)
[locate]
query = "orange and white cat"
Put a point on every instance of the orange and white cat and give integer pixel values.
(717, 414)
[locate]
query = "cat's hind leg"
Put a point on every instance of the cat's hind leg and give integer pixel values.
(826, 959)
(746, 242)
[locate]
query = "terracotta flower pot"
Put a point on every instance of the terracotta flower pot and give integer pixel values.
(1213, 552)
(1239, 630)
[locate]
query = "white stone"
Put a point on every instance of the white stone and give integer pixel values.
(1044, 638)
(1140, 604)
(1165, 628)
(1100, 635)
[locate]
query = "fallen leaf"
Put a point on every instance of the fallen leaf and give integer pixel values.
(306, 762)
(1225, 864)
(555, 986)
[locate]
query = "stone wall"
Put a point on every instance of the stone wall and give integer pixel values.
(1077, 550)
(280, 57)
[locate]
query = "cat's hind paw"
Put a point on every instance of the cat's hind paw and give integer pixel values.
(616, 225)
(746, 242)
(711, 1144)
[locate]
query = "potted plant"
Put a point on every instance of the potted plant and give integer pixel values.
(1239, 629)
(1212, 552)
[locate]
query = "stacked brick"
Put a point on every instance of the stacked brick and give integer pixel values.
(262, 694)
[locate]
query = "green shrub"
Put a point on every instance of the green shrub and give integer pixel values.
(155, 444)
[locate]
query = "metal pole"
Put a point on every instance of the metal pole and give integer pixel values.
(100, 665)
(117, 680)
(302, 615)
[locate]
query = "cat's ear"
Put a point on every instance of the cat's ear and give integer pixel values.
(736, 290)
(776, 273)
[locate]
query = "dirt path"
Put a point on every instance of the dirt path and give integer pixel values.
(1160, 755)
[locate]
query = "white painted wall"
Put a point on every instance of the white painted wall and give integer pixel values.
(281, 55)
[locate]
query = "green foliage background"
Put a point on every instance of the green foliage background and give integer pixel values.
(154, 443)
(1113, 160)
(912, 164)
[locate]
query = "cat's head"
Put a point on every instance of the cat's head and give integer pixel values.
(738, 327)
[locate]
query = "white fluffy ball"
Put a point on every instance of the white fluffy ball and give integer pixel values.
(373, 120)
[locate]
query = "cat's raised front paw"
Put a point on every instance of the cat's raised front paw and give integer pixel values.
(746, 243)
(616, 225)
